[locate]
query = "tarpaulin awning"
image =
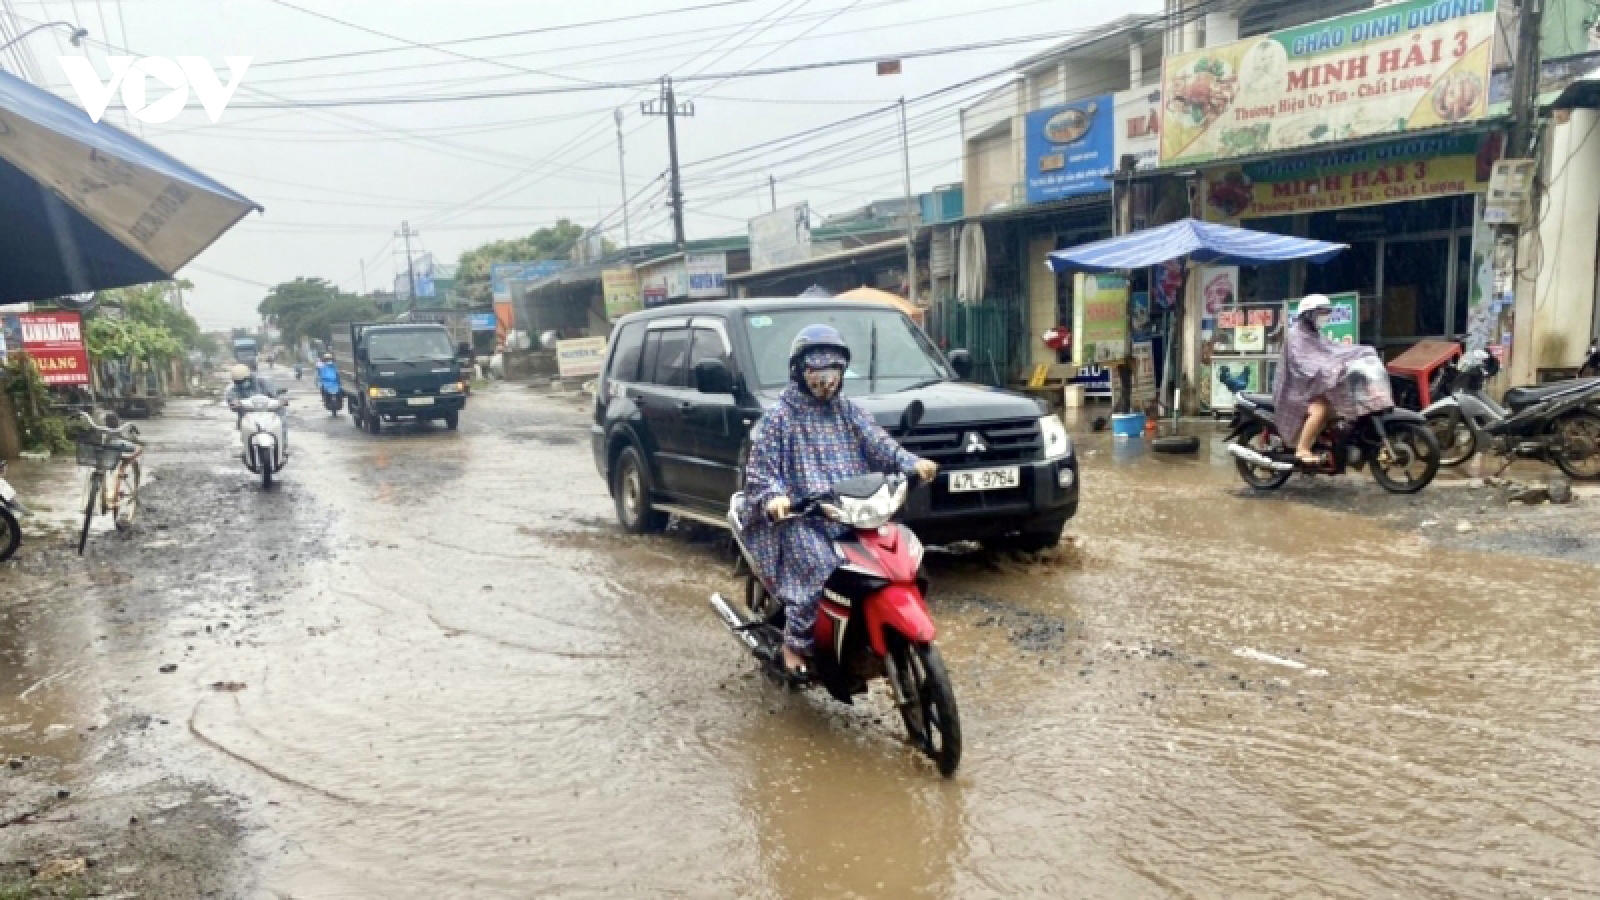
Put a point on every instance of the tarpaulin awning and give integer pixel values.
(1202, 242)
(85, 206)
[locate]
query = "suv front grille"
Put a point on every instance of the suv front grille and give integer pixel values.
(1002, 442)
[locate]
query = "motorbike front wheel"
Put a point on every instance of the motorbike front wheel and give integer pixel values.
(1457, 441)
(1413, 462)
(1266, 441)
(10, 534)
(1577, 447)
(931, 718)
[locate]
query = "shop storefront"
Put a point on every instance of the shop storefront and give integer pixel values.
(1411, 211)
(1370, 129)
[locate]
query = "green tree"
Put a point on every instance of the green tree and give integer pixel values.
(141, 323)
(307, 307)
(551, 242)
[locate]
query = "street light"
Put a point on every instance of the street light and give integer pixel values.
(78, 34)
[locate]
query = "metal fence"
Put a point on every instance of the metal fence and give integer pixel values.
(988, 331)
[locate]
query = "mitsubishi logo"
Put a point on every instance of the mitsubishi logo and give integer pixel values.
(975, 443)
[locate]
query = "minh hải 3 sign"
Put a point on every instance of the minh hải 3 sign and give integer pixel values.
(1390, 69)
(1070, 149)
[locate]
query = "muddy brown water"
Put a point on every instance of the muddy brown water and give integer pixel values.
(482, 688)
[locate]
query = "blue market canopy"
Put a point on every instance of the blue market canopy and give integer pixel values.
(1202, 242)
(85, 206)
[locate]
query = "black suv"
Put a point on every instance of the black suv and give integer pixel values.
(683, 385)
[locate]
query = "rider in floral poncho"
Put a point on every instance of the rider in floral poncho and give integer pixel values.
(813, 438)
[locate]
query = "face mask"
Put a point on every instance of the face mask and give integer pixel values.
(824, 383)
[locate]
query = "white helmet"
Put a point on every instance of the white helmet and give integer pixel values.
(239, 372)
(1311, 303)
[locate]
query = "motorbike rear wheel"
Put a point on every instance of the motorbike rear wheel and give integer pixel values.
(931, 718)
(1262, 439)
(1414, 463)
(1577, 448)
(10, 534)
(1457, 441)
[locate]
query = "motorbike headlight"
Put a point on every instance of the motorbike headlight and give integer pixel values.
(1057, 443)
(380, 392)
(454, 387)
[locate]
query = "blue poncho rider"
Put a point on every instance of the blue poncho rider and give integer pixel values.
(811, 439)
(328, 375)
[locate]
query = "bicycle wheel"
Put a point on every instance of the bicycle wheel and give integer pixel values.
(88, 509)
(126, 504)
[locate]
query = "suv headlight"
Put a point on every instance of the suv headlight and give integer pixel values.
(1057, 443)
(380, 392)
(453, 387)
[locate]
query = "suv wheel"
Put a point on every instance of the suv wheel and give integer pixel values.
(630, 488)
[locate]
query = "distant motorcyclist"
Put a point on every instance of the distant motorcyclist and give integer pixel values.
(246, 384)
(328, 378)
(812, 439)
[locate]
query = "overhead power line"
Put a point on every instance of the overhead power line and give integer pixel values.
(641, 83)
(504, 34)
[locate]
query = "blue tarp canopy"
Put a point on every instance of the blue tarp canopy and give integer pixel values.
(1202, 242)
(85, 206)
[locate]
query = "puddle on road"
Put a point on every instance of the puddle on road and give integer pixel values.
(490, 689)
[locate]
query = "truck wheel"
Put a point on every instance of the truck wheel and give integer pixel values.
(452, 420)
(355, 416)
(630, 489)
(374, 421)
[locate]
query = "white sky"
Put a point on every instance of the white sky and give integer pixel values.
(336, 183)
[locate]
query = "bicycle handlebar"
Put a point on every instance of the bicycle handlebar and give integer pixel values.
(125, 430)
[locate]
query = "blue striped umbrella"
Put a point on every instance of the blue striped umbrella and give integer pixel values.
(1202, 242)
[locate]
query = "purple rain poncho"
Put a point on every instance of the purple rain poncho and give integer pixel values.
(801, 448)
(1313, 366)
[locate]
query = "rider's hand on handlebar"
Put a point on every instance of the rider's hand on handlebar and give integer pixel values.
(778, 508)
(926, 469)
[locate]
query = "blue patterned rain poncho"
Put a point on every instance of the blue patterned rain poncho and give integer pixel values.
(800, 449)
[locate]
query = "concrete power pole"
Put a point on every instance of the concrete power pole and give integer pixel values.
(622, 173)
(772, 185)
(667, 105)
(911, 223)
(1525, 78)
(411, 271)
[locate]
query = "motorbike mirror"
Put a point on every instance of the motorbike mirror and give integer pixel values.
(711, 376)
(961, 361)
(912, 417)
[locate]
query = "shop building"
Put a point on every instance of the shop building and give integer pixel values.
(1038, 154)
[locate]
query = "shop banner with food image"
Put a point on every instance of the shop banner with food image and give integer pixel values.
(1395, 68)
(1071, 149)
(1412, 169)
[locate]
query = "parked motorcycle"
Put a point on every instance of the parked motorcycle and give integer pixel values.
(1396, 443)
(10, 509)
(1558, 422)
(872, 621)
(298, 371)
(263, 438)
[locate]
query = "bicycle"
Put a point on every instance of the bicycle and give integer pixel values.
(111, 451)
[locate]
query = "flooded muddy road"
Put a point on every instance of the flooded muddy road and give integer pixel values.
(429, 664)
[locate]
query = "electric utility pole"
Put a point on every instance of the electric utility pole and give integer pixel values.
(911, 223)
(622, 173)
(411, 271)
(1525, 79)
(667, 105)
(772, 185)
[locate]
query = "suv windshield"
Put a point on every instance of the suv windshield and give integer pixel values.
(887, 352)
(399, 346)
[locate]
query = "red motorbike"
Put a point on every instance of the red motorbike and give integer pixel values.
(872, 621)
